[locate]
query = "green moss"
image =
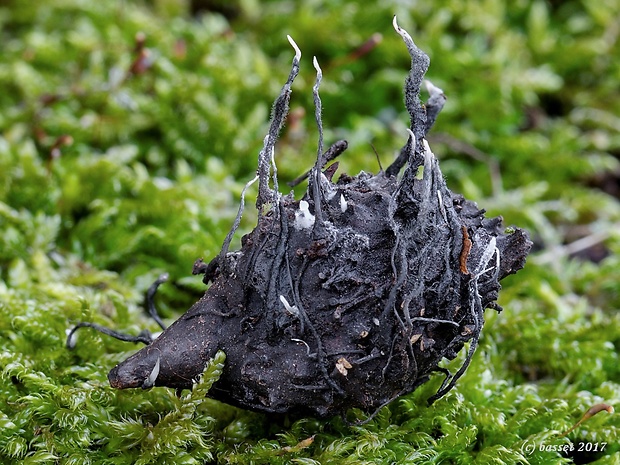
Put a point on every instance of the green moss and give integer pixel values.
(153, 175)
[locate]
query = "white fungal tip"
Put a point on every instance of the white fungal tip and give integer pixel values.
(428, 158)
(304, 343)
(413, 138)
(315, 63)
(303, 218)
(287, 306)
(431, 88)
(492, 246)
(343, 203)
(442, 207)
(295, 47)
(404, 34)
(497, 258)
(328, 189)
(428, 153)
(487, 255)
(292, 309)
(395, 24)
(150, 381)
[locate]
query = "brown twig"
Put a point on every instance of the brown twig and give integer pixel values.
(589, 414)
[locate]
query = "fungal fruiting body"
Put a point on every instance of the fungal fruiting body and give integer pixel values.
(349, 297)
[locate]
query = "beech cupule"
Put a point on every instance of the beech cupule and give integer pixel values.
(349, 297)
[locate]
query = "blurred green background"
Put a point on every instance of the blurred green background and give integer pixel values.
(128, 129)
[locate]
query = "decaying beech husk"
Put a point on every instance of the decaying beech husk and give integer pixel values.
(349, 297)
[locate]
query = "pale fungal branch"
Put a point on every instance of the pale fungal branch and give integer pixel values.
(225, 246)
(315, 177)
(434, 104)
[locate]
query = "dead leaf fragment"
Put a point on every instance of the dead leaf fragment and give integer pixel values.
(300, 445)
(343, 366)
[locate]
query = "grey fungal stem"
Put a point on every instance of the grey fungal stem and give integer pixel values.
(315, 180)
(278, 115)
(420, 122)
(402, 158)
(150, 296)
(318, 109)
(419, 64)
(434, 104)
(225, 246)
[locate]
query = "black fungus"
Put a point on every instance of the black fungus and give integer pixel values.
(349, 297)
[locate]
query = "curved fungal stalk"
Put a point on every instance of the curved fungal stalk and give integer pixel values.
(350, 296)
(229, 237)
(434, 104)
(419, 65)
(315, 176)
(297, 57)
(278, 115)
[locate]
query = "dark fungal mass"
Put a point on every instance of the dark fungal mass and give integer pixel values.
(349, 297)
